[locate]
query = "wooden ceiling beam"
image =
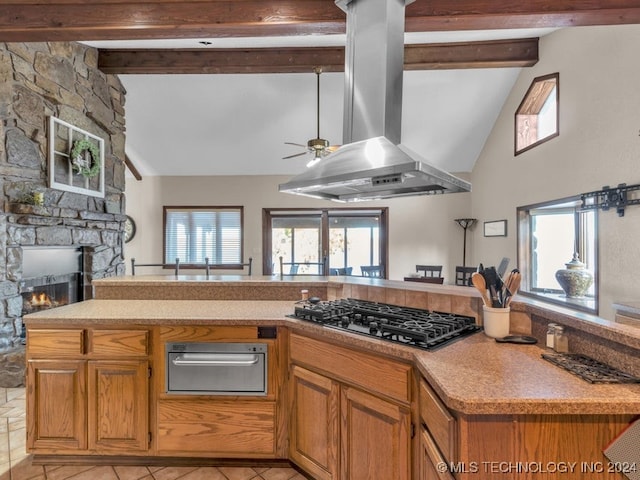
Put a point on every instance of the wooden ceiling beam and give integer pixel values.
(132, 168)
(445, 15)
(500, 53)
(69, 20)
(75, 20)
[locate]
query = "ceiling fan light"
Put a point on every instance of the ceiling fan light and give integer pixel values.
(313, 161)
(317, 156)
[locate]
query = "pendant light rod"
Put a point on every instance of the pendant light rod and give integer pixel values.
(318, 71)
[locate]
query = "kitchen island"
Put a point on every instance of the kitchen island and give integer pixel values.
(473, 375)
(473, 403)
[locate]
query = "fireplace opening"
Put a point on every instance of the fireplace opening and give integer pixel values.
(51, 277)
(49, 292)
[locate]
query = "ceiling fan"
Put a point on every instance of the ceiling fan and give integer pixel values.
(319, 147)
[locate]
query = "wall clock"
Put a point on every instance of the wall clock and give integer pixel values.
(129, 229)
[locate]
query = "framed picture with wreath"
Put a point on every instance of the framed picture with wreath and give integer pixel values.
(76, 159)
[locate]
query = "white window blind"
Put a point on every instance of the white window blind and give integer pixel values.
(193, 234)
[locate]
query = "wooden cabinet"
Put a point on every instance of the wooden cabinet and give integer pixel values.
(502, 447)
(87, 391)
(314, 429)
(375, 437)
(438, 436)
(431, 461)
(363, 397)
(118, 405)
(56, 405)
(223, 426)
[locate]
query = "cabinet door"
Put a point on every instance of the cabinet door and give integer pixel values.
(56, 405)
(431, 462)
(314, 423)
(118, 395)
(375, 438)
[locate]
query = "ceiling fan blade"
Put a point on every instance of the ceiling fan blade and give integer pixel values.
(294, 156)
(296, 144)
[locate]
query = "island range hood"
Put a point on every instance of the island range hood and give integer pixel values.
(372, 164)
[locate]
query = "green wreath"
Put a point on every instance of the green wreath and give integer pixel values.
(77, 158)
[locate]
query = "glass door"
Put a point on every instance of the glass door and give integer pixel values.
(297, 240)
(324, 242)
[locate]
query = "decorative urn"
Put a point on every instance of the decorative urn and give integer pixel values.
(575, 280)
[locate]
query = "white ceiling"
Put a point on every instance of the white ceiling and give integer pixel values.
(232, 124)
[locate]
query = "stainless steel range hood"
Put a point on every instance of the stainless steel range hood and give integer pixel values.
(372, 164)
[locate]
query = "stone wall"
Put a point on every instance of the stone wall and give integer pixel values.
(39, 80)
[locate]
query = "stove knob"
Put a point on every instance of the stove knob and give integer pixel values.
(384, 321)
(368, 320)
(373, 328)
(344, 322)
(357, 318)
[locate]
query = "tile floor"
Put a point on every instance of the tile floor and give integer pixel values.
(16, 464)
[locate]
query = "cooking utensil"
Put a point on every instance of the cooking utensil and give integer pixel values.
(478, 281)
(491, 278)
(515, 279)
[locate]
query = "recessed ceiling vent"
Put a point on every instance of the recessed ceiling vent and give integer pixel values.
(372, 164)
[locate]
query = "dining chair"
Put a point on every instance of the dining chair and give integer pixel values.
(463, 275)
(372, 270)
(429, 270)
(340, 271)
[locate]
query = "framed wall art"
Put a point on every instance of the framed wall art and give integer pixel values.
(76, 159)
(495, 228)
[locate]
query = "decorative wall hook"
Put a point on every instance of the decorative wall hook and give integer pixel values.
(608, 197)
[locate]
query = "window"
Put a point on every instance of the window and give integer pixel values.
(318, 242)
(548, 236)
(193, 234)
(537, 117)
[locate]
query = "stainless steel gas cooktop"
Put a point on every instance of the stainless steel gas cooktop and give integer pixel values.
(409, 326)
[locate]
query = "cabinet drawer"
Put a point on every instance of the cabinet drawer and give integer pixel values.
(216, 429)
(119, 342)
(55, 342)
(368, 371)
(438, 420)
(431, 461)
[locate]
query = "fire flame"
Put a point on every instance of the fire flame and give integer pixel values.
(40, 300)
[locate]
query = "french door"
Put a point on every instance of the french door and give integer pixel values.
(324, 242)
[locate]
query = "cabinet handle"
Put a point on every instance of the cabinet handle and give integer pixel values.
(214, 359)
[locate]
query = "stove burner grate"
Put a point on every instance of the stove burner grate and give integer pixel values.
(406, 325)
(589, 369)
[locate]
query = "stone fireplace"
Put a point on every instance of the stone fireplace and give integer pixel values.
(37, 81)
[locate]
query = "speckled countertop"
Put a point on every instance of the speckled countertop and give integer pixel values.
(272, 280)
(475, 375)
(142, 280)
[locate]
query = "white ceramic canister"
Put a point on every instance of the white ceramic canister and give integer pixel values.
(496, 321)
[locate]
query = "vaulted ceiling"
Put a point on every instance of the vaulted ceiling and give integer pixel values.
(461, 59)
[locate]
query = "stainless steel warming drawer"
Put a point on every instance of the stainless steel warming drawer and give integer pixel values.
(216, 368)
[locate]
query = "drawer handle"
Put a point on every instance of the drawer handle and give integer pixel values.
(214, 359)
